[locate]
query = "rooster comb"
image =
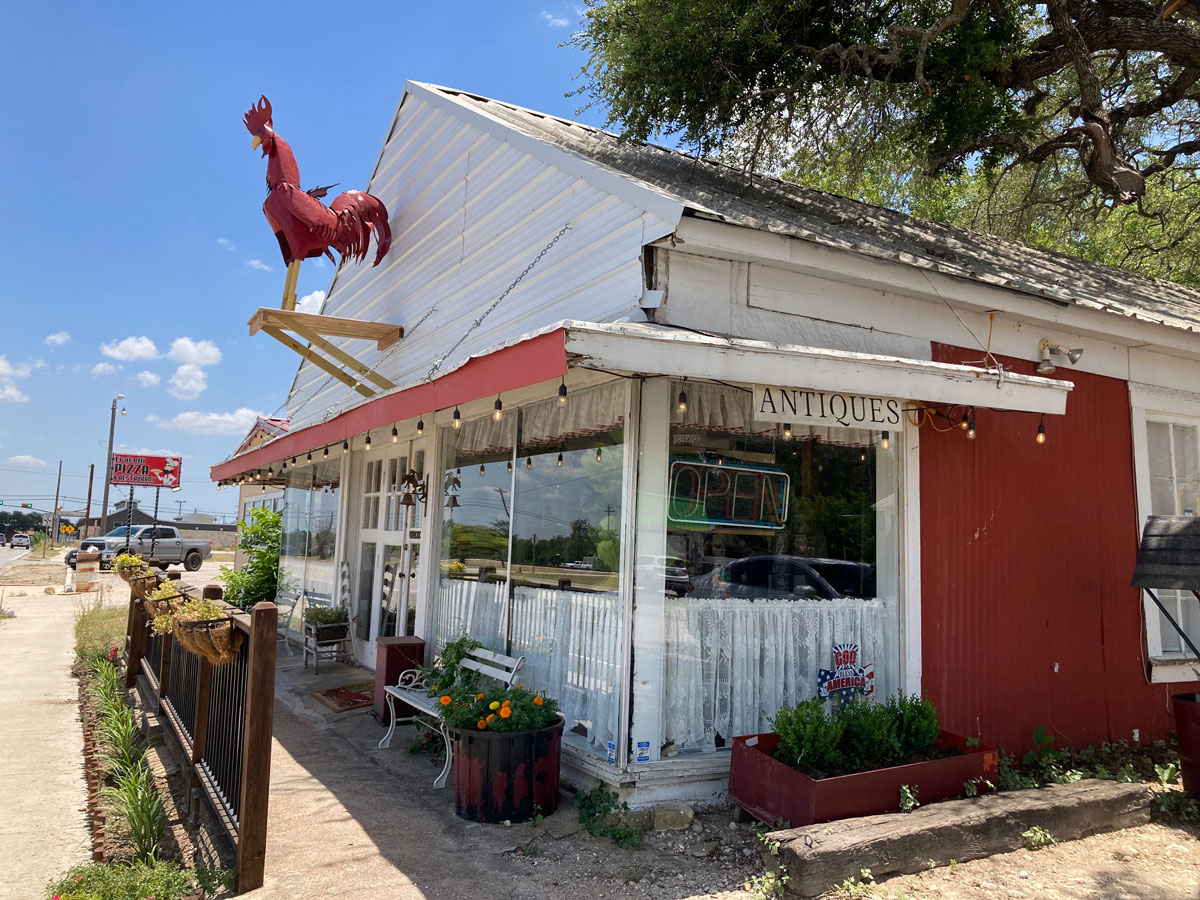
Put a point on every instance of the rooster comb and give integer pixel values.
(259, 115)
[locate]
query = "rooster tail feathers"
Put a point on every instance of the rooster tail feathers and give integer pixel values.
(359, 214)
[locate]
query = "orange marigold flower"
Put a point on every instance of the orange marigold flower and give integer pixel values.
(538, 700)
(479, 696)
(521, 686)
(505, 712)
(481, 724)
(506, 703)
(446, 700)
(491, 718)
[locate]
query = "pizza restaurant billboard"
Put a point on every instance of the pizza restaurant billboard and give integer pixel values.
(773, 403)
(146, 471)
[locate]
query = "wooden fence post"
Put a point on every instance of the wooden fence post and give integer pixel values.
(256, 747)
(137, 641)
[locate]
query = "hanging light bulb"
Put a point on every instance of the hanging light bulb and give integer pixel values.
(420, 427)
(368, 444)
(293, 460)
(681, 403)
(528, 463)
(598, 452)
(787, 431)
(885, 442)
(325, 452)
(562, 393)
(971, 429)
(309, 456)
(271, 471)
(283, 468)
(482, 470)
(497, 411)
(510, 467)
(965, 421)
(560, 460)
(457, 419)
(345, 446)
(263, 489)
(863, 456)
(395, 434)
(1041, 432)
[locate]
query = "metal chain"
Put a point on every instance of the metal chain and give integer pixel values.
(508, 290)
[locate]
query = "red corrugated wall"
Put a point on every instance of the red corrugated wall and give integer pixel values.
(1027, 616)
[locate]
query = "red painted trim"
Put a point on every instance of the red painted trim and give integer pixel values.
(538, 359)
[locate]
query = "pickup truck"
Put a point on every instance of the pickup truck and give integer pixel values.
(169, 547)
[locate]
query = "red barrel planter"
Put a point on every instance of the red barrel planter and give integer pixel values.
(1186, 709)
(501, 775)
(771, 791)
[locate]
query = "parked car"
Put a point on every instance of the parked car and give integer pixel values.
(168, 546)
(674, 570)
(852, 579)
(767, 577)
(19, 539)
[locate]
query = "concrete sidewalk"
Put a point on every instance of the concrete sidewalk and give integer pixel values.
(43, 819)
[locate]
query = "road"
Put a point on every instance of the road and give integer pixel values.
(8, 556)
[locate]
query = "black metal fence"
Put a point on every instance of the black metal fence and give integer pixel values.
(221, 713)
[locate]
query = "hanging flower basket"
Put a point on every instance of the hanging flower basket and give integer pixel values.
(142, 584)
(216, 640)
(158, 605)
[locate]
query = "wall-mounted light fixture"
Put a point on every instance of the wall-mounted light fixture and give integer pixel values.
(1052, 354)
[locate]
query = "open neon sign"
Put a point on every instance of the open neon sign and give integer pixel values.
(738, 496)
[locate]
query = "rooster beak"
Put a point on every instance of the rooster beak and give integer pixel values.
(255, 142)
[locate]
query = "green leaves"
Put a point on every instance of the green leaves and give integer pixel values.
(259, 579)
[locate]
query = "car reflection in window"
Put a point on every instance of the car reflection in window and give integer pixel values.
(787, 578)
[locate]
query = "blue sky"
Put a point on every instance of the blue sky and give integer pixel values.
(134, 247)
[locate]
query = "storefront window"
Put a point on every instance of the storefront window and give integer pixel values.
(309, 518)
(780, 572)
(531, 549)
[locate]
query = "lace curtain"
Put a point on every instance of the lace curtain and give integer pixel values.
(570, 641)
(731, 663)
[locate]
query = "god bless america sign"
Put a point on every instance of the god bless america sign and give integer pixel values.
(773, 403)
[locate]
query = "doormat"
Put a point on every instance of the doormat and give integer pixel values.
(346, 697)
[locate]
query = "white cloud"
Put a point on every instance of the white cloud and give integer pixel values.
(103, 368)
(311, 303)
(225, 244)
(258, 264)
(196, 353)
(210, 423)
(553, 21)
(130, 348)
(9, 374)
(153, 418)
(149, 451)
(189, 381)
(318, 263)
(58, 338)
(26, 460)
(148, 379)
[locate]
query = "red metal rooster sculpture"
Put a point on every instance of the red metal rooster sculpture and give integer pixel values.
(306, 227)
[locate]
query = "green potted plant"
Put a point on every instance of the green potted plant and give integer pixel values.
(127, 565)
(852, 760)
(327, 623)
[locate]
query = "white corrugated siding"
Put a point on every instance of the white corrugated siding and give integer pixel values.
(472, 204)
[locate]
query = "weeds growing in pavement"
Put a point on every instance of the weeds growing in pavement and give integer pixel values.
(594, 806)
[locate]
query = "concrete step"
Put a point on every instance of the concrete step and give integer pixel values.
(820, 856)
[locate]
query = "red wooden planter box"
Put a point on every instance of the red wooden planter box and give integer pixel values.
(771, 791)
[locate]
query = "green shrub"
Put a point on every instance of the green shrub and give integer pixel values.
(808, 737)
(259, 579)
(107, 881)
(326, 615)
(136, 799)
(917, 725)
(869, 735)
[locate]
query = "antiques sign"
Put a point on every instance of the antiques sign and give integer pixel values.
(717, 494)
(148, 471)
(847, 677)
(773, 403)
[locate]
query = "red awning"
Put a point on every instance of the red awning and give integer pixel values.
(537, 359)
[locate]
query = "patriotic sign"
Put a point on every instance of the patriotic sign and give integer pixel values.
(847, 677)
(149, 471)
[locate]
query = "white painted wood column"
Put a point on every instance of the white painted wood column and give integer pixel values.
(650, 579)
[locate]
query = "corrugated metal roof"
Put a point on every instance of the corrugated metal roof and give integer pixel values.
(781, 207)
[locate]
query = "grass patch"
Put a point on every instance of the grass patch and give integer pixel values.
(99, 630)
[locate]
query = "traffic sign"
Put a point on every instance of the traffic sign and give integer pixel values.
(67, 529)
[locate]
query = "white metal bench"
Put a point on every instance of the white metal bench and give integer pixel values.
(411, 688)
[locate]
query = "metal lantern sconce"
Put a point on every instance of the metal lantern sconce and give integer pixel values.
(1050, 351)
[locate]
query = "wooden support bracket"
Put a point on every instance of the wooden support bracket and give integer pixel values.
(276, 321)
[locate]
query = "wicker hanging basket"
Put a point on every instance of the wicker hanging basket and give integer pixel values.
(216, 640)
(159, 606)
(141, 585)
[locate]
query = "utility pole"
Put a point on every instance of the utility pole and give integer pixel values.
(180, 516)
(112, 424)
(87, 513)
(54, 512)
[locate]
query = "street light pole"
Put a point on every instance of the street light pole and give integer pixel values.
(112, 424)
